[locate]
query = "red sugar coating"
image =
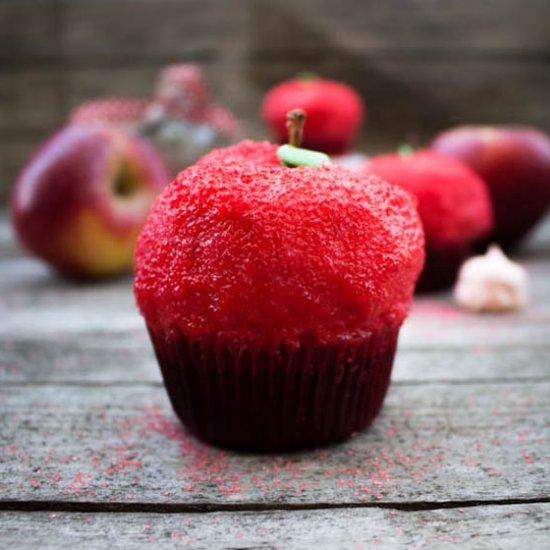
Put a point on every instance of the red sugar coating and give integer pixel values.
(274, 255)
(453, 202)
(259, 153)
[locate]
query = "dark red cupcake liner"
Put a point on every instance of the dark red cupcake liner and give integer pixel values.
(441, 267)
(276, 400)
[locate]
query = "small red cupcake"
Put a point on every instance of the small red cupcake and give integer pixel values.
(274, 296)
(453, 204)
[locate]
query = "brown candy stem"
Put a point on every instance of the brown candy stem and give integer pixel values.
(295, 121)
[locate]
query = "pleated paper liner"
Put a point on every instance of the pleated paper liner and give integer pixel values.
(276, 400)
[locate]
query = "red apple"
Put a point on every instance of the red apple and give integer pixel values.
(335, 112)
(81, 201)
(514, 162)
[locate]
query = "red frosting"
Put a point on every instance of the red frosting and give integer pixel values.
(266, 255)
(453, 202)
(255, 152)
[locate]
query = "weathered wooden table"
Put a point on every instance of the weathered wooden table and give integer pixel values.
(91, 453)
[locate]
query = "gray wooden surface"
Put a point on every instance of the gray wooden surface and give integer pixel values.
(91, 453)
(421, 65)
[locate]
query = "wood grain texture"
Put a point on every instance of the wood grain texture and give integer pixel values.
(482, 527)
(23, 36)
(433, 443)
(128, 358)
(188, 27)
(33, 97)
(168, 28)
(428, 26)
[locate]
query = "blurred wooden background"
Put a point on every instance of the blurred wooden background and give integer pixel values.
(421, 65)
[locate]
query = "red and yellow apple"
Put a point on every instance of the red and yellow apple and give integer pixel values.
(80, 202)
(514, 162)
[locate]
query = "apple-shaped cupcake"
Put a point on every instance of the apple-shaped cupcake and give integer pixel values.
(274, 295)
(81, 201)
(453, 204)
(514, 162)
(335, 112)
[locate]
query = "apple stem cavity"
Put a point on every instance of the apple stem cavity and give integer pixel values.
(125, 182)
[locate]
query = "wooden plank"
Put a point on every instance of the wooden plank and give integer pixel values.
(433, 443)
(128, 81)
(30, 100)
(119, 358)
(493, 26)
(9, 247)
(170, 28)
(28, 28)
(485, 527)
(478, 364)
(163, 28)
(128, 358)
(436, 322)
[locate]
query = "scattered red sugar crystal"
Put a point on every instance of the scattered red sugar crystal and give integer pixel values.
(34, 482)
(528, 457)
